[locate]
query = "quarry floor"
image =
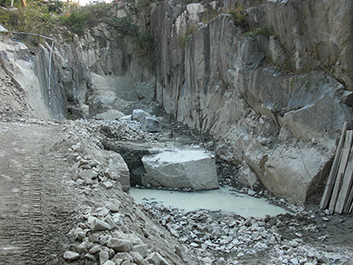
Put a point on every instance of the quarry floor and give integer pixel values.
(37, 211)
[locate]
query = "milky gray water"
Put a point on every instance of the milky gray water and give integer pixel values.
(214, 200)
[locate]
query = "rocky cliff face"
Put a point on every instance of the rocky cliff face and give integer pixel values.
(25, 82)
(273, 89)
(279, 127)
(101, 70)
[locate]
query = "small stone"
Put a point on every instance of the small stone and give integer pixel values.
(76, 147)
(324, 259)
(120, 245)
(108, 219)
(260, 246)
(137, 258)
(71, 255)
(99, 225)
(113, 206)
(294, 261)
(95, 249)
(83, 247)
(207, 260)
(103, 211)
(142, 249)
(251, 193)
(108, 185)
(103, 256)
(79, 182)
(109, 262)
(194, 245)
(80, 233)
(90, 257)
(156, 258)
(104, 240)
(88, 175)
(123, 256)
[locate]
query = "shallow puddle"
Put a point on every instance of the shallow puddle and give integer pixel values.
(222, 199)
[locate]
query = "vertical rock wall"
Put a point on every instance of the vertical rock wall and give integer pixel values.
(29, 74)
(279, 128)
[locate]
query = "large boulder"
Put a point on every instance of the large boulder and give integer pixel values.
(193, 169)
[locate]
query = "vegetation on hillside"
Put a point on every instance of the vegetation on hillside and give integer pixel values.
(50, 17)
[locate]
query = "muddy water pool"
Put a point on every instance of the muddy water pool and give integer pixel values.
(221, 199)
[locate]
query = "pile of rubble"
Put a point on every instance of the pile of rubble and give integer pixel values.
(219, 238)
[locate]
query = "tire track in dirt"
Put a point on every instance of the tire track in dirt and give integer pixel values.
(35, 210)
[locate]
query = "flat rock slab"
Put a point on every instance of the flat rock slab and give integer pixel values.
(193, 169)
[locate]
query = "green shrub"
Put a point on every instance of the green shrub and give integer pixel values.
(189, 33)
(125, 26)
(146, 43)
(209, 15)
(239, 19)
(75, 21)
(55, 7)
(4, 17)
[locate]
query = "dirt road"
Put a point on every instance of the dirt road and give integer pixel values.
(34, 220)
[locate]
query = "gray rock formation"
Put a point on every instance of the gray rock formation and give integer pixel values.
(181, 169)
(29, 74)
(283, 127)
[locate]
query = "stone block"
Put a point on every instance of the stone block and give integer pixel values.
(151, 124)
(193, 169)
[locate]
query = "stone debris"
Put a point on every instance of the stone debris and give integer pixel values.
(120, 245)
(139, 115)
(110, 115)
(107, 185)
(156, 258)
(151, 124)
(103, 256)
(71, 255)
(212, 235)
(98, 225)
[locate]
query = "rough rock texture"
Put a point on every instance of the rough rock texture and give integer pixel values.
(29, 74)
(312, 31)
(283, 127)
(181, 169)
(223, 82)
